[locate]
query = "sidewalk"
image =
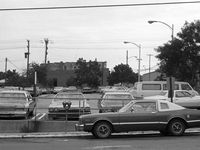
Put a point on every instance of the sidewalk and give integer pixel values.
(74, 134)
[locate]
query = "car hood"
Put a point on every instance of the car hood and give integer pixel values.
(156, 97)
(12, 105)
(59, 104)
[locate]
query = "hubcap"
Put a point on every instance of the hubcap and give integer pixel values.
(177, 127)
(103, 130)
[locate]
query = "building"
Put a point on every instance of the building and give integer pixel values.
(60, 72)
(152, 76)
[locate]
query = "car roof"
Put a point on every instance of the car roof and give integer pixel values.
(70, 92)
(117, 92)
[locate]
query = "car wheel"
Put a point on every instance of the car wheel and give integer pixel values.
(102, 130)
(176, 127)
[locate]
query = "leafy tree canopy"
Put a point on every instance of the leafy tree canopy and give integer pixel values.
(180, 57)
(88, 73)
(122, 74)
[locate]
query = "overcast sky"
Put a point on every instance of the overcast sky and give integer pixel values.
(88, 33)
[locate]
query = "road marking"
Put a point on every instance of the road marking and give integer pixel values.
(35, 116)
(42, 116)
(108, 147)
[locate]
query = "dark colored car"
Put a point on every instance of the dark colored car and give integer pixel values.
(78, 105)
(141, 115)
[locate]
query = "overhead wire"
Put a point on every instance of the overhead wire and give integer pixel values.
(100, 6)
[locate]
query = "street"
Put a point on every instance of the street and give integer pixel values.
(190, 141)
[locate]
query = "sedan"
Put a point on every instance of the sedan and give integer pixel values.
(180, 97)
(68, 105)
(14, 103)
(141, 115)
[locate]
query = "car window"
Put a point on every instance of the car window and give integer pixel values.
(74, 97)
(185, 87)
(144, 107)
(176, 87)
(151, 86)
(183, 94)
(111, 100)
(164, 106)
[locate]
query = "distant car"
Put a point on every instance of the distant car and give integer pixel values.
(79, 105)
(16, 104)
(181, 97)
(141, 115)
(114, 89)
(87, 90)
(57, 89)
(113, 101)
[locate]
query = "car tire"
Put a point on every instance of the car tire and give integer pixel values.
(102, 130)
(176, 127)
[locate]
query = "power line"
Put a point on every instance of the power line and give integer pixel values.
(99, 6)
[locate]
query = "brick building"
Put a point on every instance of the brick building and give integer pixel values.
(61, 72)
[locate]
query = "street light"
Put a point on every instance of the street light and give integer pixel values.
(139, 59)
(171, 27)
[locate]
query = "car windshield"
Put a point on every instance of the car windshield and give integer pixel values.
(64, 96)
(116, 100)
(12, 97)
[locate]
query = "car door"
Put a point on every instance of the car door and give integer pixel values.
(186, 99)
(141, 118)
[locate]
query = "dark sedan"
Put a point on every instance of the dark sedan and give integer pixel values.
(141, 115)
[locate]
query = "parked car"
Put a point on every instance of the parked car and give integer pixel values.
(79, 105)
(141, 115)
(152, 88)
(16, 104)
(180, 97)
(88, 90)
(113, 101)
(114, 89)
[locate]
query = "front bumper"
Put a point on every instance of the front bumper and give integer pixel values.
(79, 127)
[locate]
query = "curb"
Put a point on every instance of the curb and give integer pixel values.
(73, 134)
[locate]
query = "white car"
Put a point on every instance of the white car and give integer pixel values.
(14, 103)
(181, 97)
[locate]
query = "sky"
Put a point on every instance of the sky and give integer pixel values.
(90, 33)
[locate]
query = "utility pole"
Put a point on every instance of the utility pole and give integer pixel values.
(127, 57)
(27, 56)
(46, 40)
(150, 66)
(6, 64)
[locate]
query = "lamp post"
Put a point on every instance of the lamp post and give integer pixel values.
(171, 27)
(139, 59)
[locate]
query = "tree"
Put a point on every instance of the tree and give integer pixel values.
(88, 73)
(41, 74)
(180, 57)
(122, 74)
